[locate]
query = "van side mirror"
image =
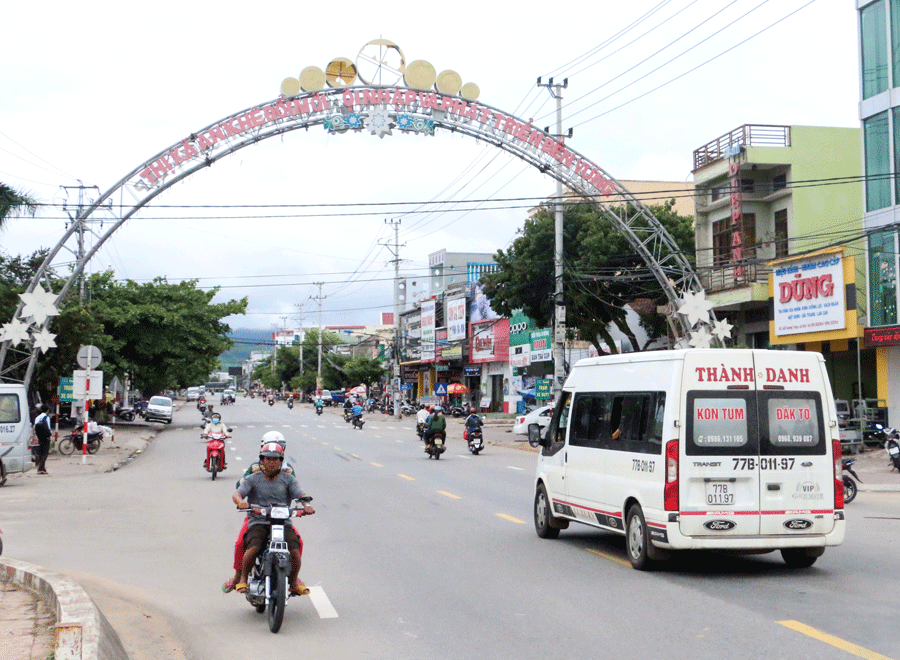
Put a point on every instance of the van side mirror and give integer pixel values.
(534, 435)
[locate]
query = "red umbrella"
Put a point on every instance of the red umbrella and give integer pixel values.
(457, 388)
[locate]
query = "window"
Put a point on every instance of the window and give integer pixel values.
(721, 242)
(882, 279)
(878, 162)
(896, 117)
(873, 42)
(748, 237)
(779, 182)
(793, 424)
(9, 409)
(630, 421)
(747, 185)
(895, 41)
(721, 424)
(781, 233)
(590, 420)
(556, 432)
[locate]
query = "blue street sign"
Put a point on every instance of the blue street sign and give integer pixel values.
(440, 389)
(404, 386)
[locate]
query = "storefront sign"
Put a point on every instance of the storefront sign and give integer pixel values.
(882, 336)
(456, 319)
(490, 341)
(542, 389)
(472, 371)
(809, 296)
(428, 328)
(541, 350)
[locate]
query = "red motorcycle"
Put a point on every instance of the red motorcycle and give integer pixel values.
(215, 452)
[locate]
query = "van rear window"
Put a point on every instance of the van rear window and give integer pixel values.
(793, 422)
(720, 422)
(9, 409)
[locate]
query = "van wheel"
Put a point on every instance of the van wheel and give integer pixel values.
(637, 540)
(801, 557)
(543, 515)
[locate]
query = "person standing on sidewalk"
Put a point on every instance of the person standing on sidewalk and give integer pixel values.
(43, 432)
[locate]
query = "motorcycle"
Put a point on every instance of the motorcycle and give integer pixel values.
(893, 449)
(125, 414)
(849, 484)
(475, 439)
(357, 421)
(74, 441)
(458, 411)
(437, 446)
(319, 410)
(407, 409)
(348, 416)
(215, 452)
(290, 404)
(272, 402)
(267, 585)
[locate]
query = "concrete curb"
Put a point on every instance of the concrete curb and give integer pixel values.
(82, 632)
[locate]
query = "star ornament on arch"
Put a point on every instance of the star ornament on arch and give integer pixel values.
(695, 307)
(380, 122)
(44, 340)
(722, 329)
(15, 332)
(39, 305)
(701, 337)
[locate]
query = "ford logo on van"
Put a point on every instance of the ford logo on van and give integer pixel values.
(797, 524)
(720, 525)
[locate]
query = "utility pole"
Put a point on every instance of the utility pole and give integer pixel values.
(319, 299)
(395, 380)
(559, 307)
(80, 225)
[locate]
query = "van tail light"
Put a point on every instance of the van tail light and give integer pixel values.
(838, 475)
(670, 497)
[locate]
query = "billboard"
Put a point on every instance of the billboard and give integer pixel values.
(428, 321)
(809, 296)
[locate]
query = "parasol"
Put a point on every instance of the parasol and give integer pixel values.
(457, 388)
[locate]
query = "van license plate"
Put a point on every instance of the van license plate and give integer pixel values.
(719, 493)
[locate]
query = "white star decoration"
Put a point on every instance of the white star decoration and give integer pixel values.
(43, 340)
(700, 338)
(380, 122)
(15, 332)
(695, 306)
(722, 329)
(39, 304)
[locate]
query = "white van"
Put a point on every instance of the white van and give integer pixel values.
(15, 430)
(193, 393)
(722, 449)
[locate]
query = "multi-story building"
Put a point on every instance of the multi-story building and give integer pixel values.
(778, 209)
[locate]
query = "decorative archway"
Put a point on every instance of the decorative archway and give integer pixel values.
(381, 109)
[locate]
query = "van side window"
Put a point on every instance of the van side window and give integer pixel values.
(634, 415)
(556, 431)
(655, 436)
(9, 409)
(590, 420)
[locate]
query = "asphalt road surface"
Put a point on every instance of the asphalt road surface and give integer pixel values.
(415, 558)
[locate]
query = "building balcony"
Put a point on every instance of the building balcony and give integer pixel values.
(748, 135)
(734, 276)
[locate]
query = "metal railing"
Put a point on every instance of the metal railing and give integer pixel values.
(733, 276)
(748, 135)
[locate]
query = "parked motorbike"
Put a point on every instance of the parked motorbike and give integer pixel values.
(849, 484)
(438, 445)
(215, 452)
(357, 421)
(458, 411)
(267, 584)
(125, 414)
(893, 449)
(75, 441)
(475, 439)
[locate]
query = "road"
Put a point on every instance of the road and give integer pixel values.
(415, 558)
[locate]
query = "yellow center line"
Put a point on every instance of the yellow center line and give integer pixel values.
(618, 560)
(377, 464)
(836, 642)
(510, 518)
(403, 476)
(451, 495)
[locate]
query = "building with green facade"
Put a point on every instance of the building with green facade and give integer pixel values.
(772, 204)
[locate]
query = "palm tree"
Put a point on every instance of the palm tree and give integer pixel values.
(12, 203)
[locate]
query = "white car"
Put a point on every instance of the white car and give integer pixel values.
(159, 409)
(540, 416)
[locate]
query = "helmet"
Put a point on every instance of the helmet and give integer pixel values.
(437, 409)
(274, 436)
(271, 450)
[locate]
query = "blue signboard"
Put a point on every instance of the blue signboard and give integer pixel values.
(542, 389)
(66, 389)
(440, 389)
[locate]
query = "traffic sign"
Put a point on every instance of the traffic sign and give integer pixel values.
(404, 386)
(89, 357)
(440, 389)
(80, 389)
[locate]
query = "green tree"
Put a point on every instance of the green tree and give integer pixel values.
(13, 203)
(366, 371)
(165, 335)
(287, 365)
(601, 271)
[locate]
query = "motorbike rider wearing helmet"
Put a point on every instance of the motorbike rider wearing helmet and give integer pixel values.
(435, 423)
(421, 418)
(270, 486)
(356, 410)
(473, 422)
(215, 425)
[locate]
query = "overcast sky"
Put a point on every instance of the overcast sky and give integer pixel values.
(92, 90)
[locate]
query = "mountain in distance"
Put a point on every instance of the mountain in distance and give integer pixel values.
(246, 340)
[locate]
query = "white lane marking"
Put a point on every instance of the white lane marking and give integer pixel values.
(285, 426)
(250, 426)
(322, 604)
(512, 467)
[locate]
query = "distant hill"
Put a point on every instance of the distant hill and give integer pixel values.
(245, 340)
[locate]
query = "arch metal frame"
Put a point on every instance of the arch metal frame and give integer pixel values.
(380, 110)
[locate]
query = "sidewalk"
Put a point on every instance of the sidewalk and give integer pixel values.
(50, 616)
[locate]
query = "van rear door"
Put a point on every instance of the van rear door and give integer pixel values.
(795, 445)
(719, 463)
